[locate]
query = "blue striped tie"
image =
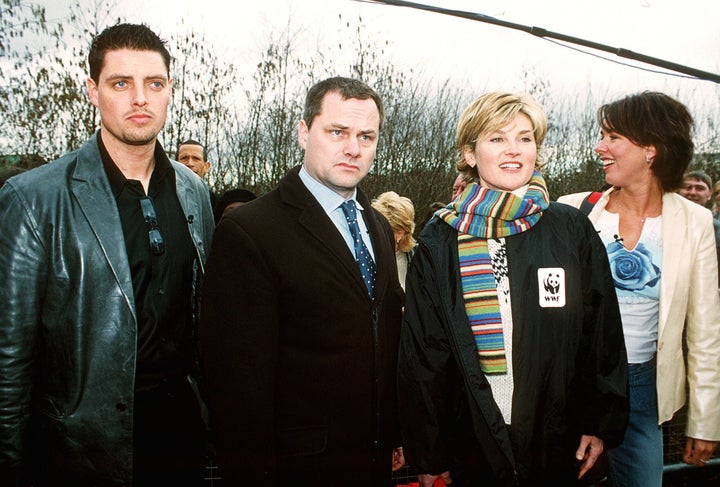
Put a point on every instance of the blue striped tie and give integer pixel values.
(362, 254)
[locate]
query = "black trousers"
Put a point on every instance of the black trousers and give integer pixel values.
(169, 437)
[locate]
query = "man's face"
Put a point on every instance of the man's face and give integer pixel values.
(340, 145)
(696, 191)
(458, 186)
(132, 95)
(192, 156)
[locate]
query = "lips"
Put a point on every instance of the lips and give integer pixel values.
(607, 162)
(139, 117)
(347, 165)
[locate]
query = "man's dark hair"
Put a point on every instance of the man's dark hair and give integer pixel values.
(193, 142)
(652, 118)
(137, 37)
(347, 88)
(240, 195)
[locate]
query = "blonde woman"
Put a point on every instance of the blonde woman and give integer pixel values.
(512, 366)
(400, 212)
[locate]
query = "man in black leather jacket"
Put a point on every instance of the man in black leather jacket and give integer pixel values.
(101, 256)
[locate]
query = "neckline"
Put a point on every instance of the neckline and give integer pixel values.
(616, 228)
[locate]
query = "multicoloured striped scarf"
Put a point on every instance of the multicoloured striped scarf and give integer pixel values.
(478, 214)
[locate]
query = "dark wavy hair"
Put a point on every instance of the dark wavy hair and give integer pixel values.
(137, 37)
(653, 118)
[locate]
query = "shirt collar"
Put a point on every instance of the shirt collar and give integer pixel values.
(117, 179)
(328, 199)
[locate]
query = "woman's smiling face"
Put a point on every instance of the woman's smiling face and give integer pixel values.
(623, 161)
(505, 159)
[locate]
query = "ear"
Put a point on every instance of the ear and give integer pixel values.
(650, 153)
(469, 156)
(303, 131)
(92, 91)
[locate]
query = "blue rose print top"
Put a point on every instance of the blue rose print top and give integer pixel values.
(637, 282)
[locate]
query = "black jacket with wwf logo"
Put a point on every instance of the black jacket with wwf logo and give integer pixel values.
(569, 361)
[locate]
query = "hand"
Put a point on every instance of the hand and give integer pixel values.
(698, 452)
(427, 480)
(588, 452)
(398, 459)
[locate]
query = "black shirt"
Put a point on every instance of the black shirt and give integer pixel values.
(162, 284)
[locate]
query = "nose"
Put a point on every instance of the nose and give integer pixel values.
(512, 147)
(352, 147)
(139, 97)
(600, 147)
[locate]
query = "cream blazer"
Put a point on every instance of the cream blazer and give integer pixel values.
(688, 296)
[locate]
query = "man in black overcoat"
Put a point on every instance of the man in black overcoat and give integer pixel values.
(300, 316)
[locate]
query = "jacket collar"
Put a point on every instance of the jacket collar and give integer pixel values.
(313, 218)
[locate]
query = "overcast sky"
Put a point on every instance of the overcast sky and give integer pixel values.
(485, 56)
(685, 32)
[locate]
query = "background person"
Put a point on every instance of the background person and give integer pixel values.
(101, 252)
(512, 366)
(232, 199)
(194, 155)
(459, 185)
(697, 187)
(661, 248)
(301, 313)
(400, 213)
(8, 172)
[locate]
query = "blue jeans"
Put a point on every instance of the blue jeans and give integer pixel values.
(638, 461)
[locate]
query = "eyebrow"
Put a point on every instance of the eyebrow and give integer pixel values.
(335, 125)
(498, 131)
(127, 76)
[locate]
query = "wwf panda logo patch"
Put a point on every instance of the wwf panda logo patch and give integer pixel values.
(551, 287)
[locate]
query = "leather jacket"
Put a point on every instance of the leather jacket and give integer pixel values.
(68, 327)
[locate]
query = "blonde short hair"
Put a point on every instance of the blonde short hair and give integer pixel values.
(400, 212)
(488, 113)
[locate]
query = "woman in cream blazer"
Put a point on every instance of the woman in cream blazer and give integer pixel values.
(661, 249)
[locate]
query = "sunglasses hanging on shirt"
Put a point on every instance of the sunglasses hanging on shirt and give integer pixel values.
(157, 244)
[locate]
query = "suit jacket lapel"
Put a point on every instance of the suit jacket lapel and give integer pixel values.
(672, 255)
(91, 189)
(293, 192)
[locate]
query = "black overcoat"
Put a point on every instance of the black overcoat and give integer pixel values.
(300, 362)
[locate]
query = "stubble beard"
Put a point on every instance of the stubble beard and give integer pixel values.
(139, 137)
